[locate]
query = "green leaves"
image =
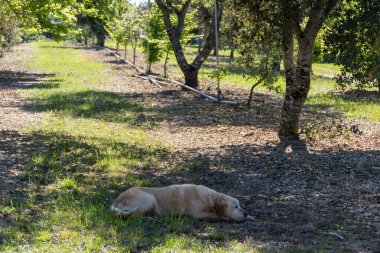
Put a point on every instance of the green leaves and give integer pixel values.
(353, 41)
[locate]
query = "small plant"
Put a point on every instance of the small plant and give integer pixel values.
(315, 131)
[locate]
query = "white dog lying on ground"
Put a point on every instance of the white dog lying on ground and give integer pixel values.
(197, 201)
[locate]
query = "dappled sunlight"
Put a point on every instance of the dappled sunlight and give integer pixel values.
(95, 141)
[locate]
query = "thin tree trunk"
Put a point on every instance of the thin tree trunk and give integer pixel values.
(134, 55)
(232, 53)
(125, 51)
(117, 47)
(148, 71)
(166, 64)
(199, 47)
(85, 40)
(251, 92)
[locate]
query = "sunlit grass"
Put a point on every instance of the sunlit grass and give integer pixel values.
(326, 68)
(350, 107)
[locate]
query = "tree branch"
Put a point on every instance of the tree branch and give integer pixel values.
(317, 15)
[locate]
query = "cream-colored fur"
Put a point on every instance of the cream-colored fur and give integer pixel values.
(197, 201)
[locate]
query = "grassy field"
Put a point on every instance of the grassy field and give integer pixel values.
(91, 148)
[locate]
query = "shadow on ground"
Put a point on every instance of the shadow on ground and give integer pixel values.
(24, 80)
(104, 105)
(180, 107)
(360, 96)
(67, 179)
(324, 198)
(298, 198)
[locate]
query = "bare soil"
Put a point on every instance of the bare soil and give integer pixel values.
(319, 193)
(15, 144)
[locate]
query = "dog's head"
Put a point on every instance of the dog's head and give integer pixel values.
(228, 208)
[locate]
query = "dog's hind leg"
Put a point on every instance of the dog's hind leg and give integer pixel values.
(123, 211)
(146, 204)
(139, 202)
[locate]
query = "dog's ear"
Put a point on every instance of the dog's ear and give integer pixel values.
(219, 207)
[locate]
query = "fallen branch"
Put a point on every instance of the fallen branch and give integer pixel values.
(203, 94)
(157, 83)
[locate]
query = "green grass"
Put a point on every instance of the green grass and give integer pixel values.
(350, 107)
(91, 148)
(326, 68)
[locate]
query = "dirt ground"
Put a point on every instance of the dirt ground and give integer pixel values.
(15, 144)
(322, 192)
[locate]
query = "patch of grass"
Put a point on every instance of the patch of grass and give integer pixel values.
(326, 68)
(91, 148)
(351, 107)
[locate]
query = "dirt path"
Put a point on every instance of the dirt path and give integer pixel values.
(304, 195)
(15, 144)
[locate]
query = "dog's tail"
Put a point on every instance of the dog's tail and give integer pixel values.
(124, 211)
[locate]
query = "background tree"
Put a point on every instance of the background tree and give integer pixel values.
(299, 23)
(96, 14)
(9, 28)
(353, 41)
(116, 23)
(259, 44)
(177, 10)
(25, 18)
(134, 23)
(153, 40)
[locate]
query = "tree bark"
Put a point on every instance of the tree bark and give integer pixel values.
(191, 77)
(232, 53)
(100, 39)
(166, 64)
(298, 76)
